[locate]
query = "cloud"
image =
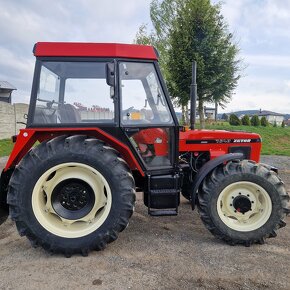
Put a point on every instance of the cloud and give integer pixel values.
(269, 60)
(264, 93)
(261, 28)
(23, 23)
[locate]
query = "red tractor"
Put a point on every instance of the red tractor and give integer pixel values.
(100, 127)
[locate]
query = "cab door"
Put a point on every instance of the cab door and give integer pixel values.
(145, 115)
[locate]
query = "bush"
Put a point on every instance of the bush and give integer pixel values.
(246, 121)
(283, 124)
(255, 121)
(264, 122)
(234, 120)
(275, 124)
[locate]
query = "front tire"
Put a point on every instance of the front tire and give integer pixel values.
(243, 203)
(71, 195)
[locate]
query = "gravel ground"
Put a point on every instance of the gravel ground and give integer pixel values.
(153, 253)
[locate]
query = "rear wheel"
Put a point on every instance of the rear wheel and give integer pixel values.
(243, 203)
(71, 195)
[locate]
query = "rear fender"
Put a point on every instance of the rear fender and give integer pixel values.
(27, 138)
(209, 167)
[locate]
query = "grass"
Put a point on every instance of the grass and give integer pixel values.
(275, 140)
(6, 146)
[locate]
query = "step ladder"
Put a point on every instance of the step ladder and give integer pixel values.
(162, 195)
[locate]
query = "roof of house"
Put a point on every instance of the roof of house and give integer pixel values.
(7, 86)
(269, 113)
(80, 49)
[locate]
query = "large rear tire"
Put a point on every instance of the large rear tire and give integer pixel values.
(243, 203)
(71, 195)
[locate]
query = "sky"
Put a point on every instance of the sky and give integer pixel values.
(261, 29)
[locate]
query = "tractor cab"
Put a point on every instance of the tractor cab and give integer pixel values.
(125, 97)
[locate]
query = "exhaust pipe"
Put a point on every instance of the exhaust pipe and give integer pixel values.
(193, 96)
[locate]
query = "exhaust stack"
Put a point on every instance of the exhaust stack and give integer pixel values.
(193, 96)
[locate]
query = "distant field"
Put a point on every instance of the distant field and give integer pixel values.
(275, 140)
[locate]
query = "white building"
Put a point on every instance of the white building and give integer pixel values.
(6, 91)
(209, 113)
(272, 117)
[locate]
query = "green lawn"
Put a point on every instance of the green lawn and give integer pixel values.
(6, 146)
(275, 140)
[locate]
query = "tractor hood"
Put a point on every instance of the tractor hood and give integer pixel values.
(219, 142)
(218, 136)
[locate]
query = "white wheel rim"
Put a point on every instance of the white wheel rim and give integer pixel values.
(71, 228)
(255, 217)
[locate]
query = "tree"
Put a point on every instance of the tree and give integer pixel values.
(275, 124)
(283, 124)
(188, 30)
(255, 121)
(234, 120)
(246, 121)
(162, 14)
(225, 116)
(264, 122)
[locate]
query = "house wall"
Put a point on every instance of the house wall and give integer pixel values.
(9, 116)
(271, 119)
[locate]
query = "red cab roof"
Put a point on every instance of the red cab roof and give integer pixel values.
(80, 49)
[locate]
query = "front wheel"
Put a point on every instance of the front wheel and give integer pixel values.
(71, 195)
(243, 203)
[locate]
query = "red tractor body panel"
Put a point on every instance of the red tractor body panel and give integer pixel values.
(112, 50)
(27, 138)
(218, 142)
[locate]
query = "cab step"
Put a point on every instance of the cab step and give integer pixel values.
(162, 196)
(163, 212)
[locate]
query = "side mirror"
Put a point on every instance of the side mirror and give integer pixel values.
(110, 74)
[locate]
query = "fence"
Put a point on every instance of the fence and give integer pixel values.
(9, 116)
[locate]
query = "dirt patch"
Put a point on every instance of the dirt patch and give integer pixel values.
(152, 253)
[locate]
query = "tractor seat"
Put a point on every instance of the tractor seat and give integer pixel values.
(68, 114)
(44, 116)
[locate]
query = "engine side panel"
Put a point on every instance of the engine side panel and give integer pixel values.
(220, 142)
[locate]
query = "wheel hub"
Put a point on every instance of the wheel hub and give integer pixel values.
(242, 204)
(72, 198)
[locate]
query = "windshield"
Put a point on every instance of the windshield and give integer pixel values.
(142, 97)
(73, 92)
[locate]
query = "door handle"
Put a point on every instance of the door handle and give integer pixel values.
(132, 130)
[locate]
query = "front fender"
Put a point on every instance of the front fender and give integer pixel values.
(207, 168)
